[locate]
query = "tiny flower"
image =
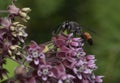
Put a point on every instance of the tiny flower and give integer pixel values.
(98, 79)
(14, 49)
(67, 40)
(12, 9)
(44, 71)
(18, 31)
(67, 78)
(31, 80)
(75, 42)
(5, 22)
(90, 57)
(15, 11)
(69, 64)
(59, 40)
(58, 71)
(78, 72)
(13, 31)
(91, 64)
(85, 81)
(35, 52)
(26, 10)
(84, 66)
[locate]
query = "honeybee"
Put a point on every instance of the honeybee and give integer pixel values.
(76, 29)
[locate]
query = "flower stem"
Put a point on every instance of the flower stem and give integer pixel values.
(3, 11)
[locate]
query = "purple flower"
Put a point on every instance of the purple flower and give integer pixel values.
(5, 22)
(67, 40)
(18, 31)
(75, 42)
(90, 57)
(70, 56)
(85, 81)
(98, 79)
(12, 9)
(35, 52)
(91, 61)
(31, 80)
(15, 31)
(70, 48)
(71, 53)
(59, 40)
(11, 34)
(45, 71)
(67, 78)
(15, 11)
(84, 66)
(58, 70)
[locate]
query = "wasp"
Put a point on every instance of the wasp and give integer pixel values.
(76, 29)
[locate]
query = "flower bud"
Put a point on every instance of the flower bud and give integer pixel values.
(1, 27)
(20, 25)
(20, 34)
(12, 28)
(13, 47)
(15, 23)
(12, 9)
(14, 34)
(10, 53)
(26, 10)
(27, 17)
(23, 14)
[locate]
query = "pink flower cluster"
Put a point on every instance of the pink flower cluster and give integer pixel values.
(65, 62)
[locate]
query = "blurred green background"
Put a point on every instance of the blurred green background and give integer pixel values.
(101, 17)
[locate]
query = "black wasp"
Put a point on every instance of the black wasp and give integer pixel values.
(76, 29)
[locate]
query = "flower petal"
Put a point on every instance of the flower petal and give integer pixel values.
(36, 61)
(79, 76)
(44, 78)
(75, 44)
(90, 57)
(99, 79)
(29, 58)
(42, 55)
(60, 81)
